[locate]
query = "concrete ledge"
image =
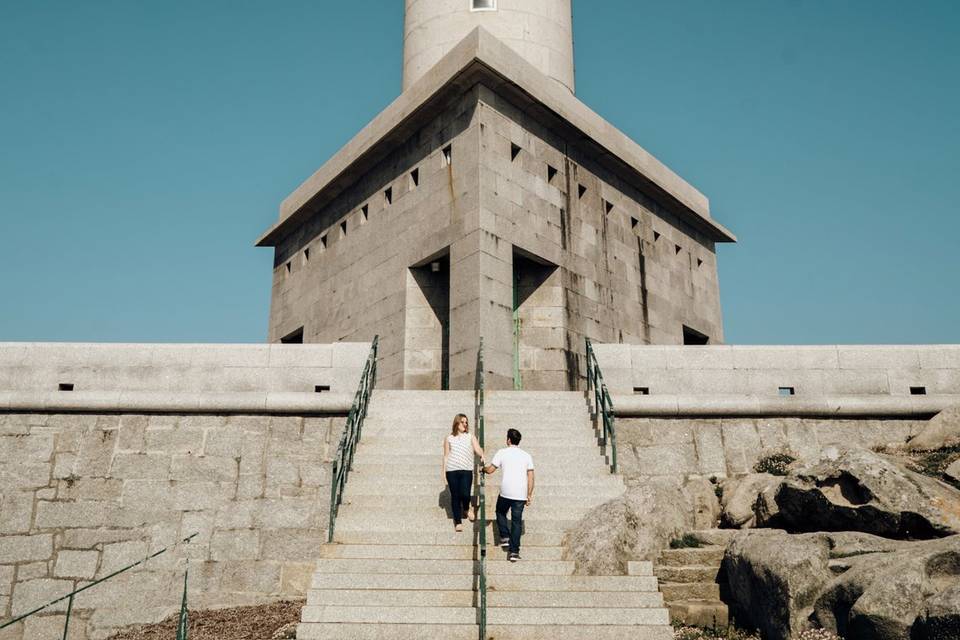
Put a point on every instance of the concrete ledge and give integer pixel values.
(688, 406)
(334, 404)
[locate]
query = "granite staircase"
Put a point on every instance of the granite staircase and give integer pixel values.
(397, 570)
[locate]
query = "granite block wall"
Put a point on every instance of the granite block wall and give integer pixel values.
(84, 494)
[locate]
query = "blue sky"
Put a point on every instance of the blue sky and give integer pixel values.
(144, 146)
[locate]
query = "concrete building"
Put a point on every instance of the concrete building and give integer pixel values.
(487, 200)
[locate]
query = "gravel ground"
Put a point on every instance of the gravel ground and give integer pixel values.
(240, 623)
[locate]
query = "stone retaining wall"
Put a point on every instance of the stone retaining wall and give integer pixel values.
(83, 494)
(722, 447)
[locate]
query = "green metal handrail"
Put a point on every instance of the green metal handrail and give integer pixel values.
(351, 435)
(602, 403)
(182, 622)
(481, 493)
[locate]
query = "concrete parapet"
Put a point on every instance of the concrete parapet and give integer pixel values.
(694, 406)
(149, 402)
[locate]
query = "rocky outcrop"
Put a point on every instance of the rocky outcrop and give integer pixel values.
(907, 593)
(869, 492)
(857, 585)
(774, 584)
(943, 430)
(739, 498)
(854, 490)
(638, 524)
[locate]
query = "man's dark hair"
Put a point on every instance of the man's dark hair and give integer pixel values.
(513, 436)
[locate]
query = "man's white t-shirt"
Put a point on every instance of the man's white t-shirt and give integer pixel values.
(514, 462)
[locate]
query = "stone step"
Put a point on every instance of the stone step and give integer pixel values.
(495, 615)
(715, 537)
(463, 598)
(389, 615)
(601, 492)
(687, 574)
(676, 591)
(407, 445)
(548, 473)
(496, 582)
(444, 567)
(576, 616)
(444, 536)
(580, 632)
(428, 552)
(394, 520)
(705, 556)
(339, 631)
(560, 465)
(708, 614)
(441, 502)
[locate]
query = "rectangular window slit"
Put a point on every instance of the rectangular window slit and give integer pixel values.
(786, 392)
(365, 212)
(448, 155)
(321, 388)
(699, 262)
(415, 178)
(323, 242)
(918, 391)
(306, 254)
(581, 191)
(641, 391)
(343, 229)
(551, 174)
(634, 223)
(678, 249)
(656, 236)
(65, 386)
(289, 267)
(388, 196)
(514, 151)
(607, 207)
(294, 337)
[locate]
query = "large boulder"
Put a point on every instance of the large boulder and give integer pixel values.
(739, 499)
(775, 577)
(858, 585)
(943, 430)
(637, 525)
(908, 593)
(860, 490)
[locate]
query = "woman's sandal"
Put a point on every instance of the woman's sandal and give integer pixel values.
(458, 528)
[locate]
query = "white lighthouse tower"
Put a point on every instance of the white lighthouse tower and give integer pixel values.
(539, 30)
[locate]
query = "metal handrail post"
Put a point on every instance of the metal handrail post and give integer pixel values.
(482, 494)
(352, 431)
(602, 403)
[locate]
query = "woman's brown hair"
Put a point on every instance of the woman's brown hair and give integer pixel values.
(456, 422)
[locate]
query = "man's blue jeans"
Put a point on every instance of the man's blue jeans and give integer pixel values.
(515, 527)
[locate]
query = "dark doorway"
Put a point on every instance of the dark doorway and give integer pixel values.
(427, 325)
(694, 337)
(539, 359)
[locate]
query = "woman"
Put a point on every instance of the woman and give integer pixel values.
(457, 470)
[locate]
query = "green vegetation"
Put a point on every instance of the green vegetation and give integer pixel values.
(687, 541)
(776, 464)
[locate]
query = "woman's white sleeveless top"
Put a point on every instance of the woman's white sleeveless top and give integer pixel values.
(461, 452)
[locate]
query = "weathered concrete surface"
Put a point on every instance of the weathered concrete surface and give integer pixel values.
(541, 32)
(812, 372)
(84, 494)
(175, 373)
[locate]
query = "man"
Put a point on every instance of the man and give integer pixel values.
(516, 491)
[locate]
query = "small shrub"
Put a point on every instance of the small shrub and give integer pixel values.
(697, 633)
(687, 541)
(775, 465)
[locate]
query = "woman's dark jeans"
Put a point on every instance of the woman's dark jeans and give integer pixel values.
(461, 484)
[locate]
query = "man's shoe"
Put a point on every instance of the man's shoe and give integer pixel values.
(504, 543)
(514, 557)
